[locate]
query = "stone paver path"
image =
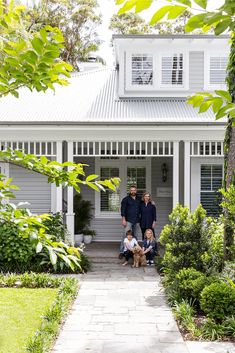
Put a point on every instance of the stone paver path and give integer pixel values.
(124, 310)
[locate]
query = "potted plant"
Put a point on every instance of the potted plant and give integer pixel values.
(83, 216)
(88, 235)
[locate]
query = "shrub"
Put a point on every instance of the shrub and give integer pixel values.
(192, 240)
(229, 271)
(189, 283)
(83, 215)
(18, 254)
(213, 257)
(184, 239)
(187, 280)
(15, 251)
(55, 226)
(217, 300)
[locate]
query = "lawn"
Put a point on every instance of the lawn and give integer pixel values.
(20, 315)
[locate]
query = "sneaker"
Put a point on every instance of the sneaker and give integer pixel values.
(120, 256)
(148, 263)
(152, 262)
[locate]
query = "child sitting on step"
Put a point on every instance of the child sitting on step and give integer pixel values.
(129, 243)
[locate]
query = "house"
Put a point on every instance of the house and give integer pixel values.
(131, 122)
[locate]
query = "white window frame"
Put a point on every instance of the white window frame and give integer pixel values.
(185, 85)
(208, 85)
(196, 163)
(133, 87)
(157, 71)
(123, 163)
(209, 191)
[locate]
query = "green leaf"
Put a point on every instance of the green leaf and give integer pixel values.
(217, 104)
(39, 247)
(161, 13)
(205, 106)
(37, 45)
(142, 5)
(176, 11)
(222, 26)
(224, 94)
(201, 3)
(53, 256)
(91, 177)
(224, 111)
(195, 22)
(127, 6)
(93, 186)
(185, 2)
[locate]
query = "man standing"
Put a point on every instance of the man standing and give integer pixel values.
(130, 212)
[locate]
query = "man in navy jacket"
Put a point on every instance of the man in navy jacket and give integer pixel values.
(130, 212)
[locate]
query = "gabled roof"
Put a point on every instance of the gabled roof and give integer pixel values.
(92, 98)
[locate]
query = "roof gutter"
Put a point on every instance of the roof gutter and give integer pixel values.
(103, 123)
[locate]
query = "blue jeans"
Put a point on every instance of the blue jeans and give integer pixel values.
(136, 232)
(150, 255)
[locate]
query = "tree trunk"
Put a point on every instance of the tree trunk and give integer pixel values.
(229, 158)
(229, 168)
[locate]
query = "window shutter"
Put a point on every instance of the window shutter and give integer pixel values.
(218, 66)
(172, 69)
(211, 182)
(109, 200)
(142, 69)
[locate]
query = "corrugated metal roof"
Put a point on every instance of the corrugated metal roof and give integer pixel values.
(92, 98)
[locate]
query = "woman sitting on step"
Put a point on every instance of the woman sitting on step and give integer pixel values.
(149, 247)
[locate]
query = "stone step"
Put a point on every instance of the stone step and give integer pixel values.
(105, 260)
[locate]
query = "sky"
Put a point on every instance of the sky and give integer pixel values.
(108, 8)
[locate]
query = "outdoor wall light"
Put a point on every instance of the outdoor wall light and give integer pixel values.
(164, 172)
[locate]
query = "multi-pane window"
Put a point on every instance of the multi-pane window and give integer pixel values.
(109, 200)
(142, 69)
(172, 70)
(211, 182)
(137, 176)
(218, 66)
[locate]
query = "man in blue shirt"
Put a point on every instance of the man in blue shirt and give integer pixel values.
(130, 212)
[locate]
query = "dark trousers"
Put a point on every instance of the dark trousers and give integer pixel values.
(128, 254)
(144, 230)
(150, 255)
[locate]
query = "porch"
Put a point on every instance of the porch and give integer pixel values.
(185, 171)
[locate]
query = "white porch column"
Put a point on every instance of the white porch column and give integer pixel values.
(59, 197)
(175, 173)
(187, 173)
(70, 213)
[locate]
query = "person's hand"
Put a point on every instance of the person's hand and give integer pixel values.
(124, 222)
(154, 224)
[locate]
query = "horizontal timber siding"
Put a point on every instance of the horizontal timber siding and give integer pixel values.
(34, 189)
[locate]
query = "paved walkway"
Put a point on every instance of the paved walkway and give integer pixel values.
(123, 310)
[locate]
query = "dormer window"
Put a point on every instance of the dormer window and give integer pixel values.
(218, 66)
(172, 70)
(142, 69)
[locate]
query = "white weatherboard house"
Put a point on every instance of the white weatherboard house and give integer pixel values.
(132, 122)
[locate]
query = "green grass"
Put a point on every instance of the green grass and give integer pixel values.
(21, 310)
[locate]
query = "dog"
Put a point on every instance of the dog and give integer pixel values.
(139, 257)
